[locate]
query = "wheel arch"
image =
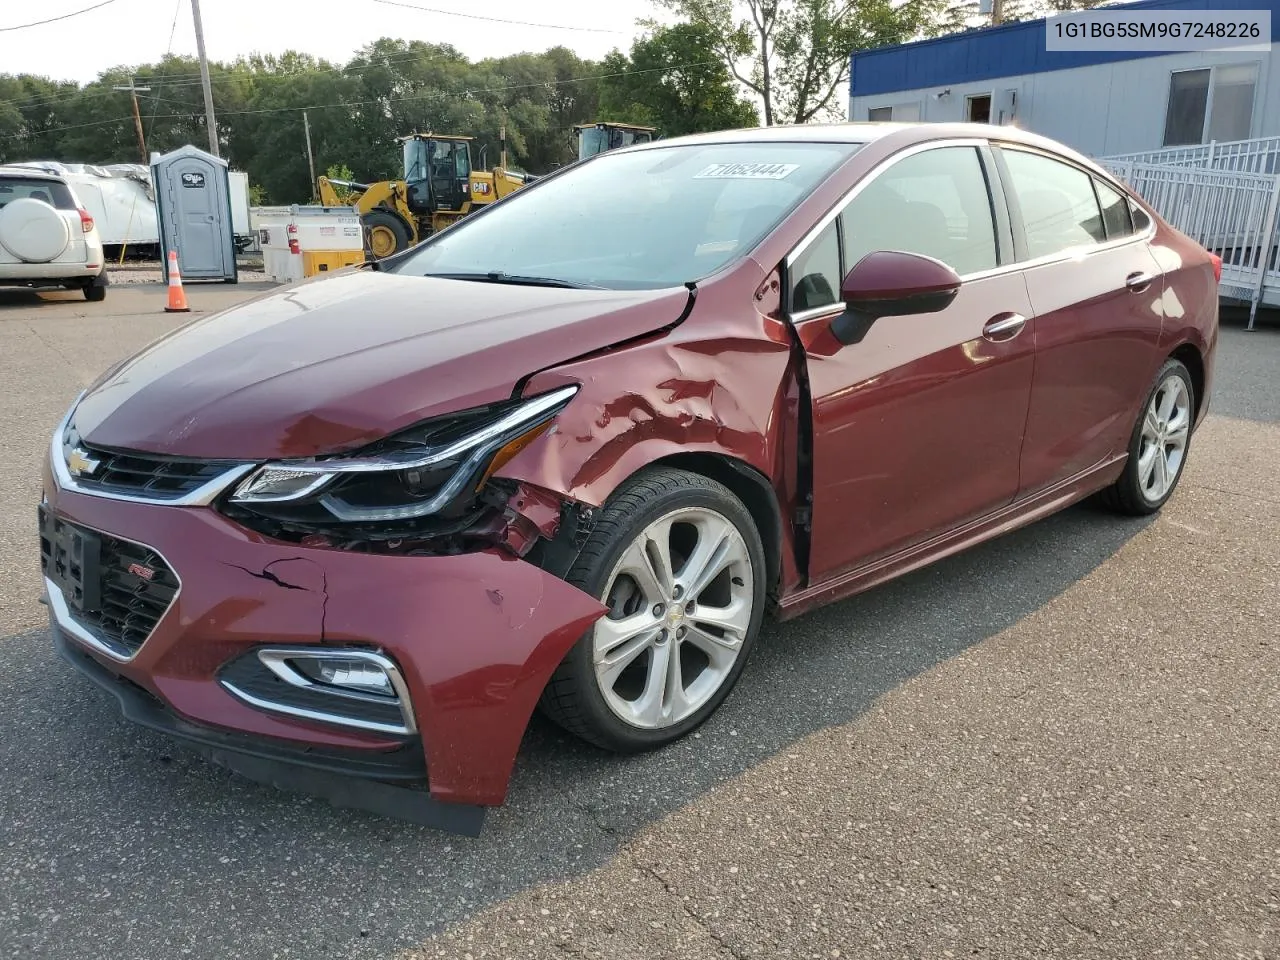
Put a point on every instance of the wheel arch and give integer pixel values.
(1191, 358)
(754, 490)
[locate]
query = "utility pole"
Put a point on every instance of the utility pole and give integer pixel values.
(204, 79)
(134, 90)
(311, 160)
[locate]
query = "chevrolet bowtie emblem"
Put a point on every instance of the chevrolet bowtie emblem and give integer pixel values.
(81, 464)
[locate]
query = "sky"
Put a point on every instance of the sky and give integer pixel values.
(77, 48)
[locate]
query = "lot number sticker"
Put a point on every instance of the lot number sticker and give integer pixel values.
(747, 171)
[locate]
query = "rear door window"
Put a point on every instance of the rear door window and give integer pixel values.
(52, 192)
(1059, 209)
(1115, 212)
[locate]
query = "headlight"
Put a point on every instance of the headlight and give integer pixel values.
(426, 470)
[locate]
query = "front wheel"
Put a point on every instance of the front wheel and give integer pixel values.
(387, 233)
(679, 563)
(1159, 445)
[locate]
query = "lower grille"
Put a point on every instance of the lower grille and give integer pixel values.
(116, 589)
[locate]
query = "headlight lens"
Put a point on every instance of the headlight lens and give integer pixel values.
(428, 470)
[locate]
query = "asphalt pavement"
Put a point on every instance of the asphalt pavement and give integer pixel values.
(1063, 743)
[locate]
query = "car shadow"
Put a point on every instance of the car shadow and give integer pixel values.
(92, 804)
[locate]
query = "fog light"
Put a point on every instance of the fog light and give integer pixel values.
(352, 674)
(349, 686)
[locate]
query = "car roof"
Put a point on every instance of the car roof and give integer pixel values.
(895, 135)
(32, 173)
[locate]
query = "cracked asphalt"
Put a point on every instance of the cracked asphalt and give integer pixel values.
(1065, 743)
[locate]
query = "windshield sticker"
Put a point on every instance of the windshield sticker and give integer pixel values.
(747, 171)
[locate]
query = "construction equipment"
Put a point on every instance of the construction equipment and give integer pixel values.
(439, 188)
(605, 135)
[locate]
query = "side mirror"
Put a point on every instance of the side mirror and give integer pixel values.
(891, 283)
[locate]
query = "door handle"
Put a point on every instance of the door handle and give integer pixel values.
(1004, 326)
(1137, 282)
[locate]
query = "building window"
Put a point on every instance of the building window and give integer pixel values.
(978, 109)
(900, 112)
(1213, 103)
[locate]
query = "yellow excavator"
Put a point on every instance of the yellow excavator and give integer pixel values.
(439, 188)
(606, 135)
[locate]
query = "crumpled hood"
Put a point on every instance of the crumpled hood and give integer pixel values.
(330, 365)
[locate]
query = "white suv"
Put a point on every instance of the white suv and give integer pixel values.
(47, 238)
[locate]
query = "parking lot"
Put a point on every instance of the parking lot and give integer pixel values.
(1065, 743)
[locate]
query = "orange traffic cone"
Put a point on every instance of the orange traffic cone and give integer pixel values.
(177, 296)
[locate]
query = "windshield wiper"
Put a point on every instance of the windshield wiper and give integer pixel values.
(497, 276)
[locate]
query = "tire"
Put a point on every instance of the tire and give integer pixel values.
(95, 293)
(384, 228)
(597, 703)
(1141, 490)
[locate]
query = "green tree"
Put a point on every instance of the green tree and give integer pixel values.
(794, 54)
(669, 83)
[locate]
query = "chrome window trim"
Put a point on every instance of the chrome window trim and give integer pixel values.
(67, 622)
(815, 313)
(1071, 253)
(272, 657)
(202, 496)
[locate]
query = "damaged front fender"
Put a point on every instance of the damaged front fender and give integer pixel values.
(722, 388)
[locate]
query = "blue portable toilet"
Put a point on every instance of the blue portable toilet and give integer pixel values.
(193, 207)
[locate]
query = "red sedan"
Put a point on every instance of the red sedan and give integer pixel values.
(347, 536)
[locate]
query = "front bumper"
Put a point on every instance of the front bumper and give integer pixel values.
(475, 636)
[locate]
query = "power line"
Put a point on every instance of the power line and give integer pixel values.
(65, 16)
(173, 30)
(477, 16)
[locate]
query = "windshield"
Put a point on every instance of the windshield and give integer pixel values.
(643, 220)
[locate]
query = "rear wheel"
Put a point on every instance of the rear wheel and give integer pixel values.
(95, 293)
(1159, 445)
(678, 561)
(387, 233)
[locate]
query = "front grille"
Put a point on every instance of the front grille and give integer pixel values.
(146, 475)
(116, 589)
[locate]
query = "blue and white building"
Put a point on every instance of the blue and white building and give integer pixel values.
(1100, 103)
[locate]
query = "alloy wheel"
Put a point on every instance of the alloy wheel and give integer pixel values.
(1166, 428)
(680, 602)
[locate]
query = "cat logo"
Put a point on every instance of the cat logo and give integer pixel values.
(481, 187)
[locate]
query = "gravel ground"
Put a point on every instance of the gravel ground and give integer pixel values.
(1063, 743)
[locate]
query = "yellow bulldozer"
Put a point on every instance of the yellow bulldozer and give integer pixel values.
(439, 188)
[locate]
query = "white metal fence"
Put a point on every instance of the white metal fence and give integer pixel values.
(1259, 155)
(1234, 214)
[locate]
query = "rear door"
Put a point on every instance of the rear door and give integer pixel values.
(1097, 291)
(918, 428)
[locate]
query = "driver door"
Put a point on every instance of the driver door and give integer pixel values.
(918, 428)
(450, 166)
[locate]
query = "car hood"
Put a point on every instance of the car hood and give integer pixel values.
(330, 365)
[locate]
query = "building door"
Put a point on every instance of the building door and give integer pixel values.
(978, 109)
